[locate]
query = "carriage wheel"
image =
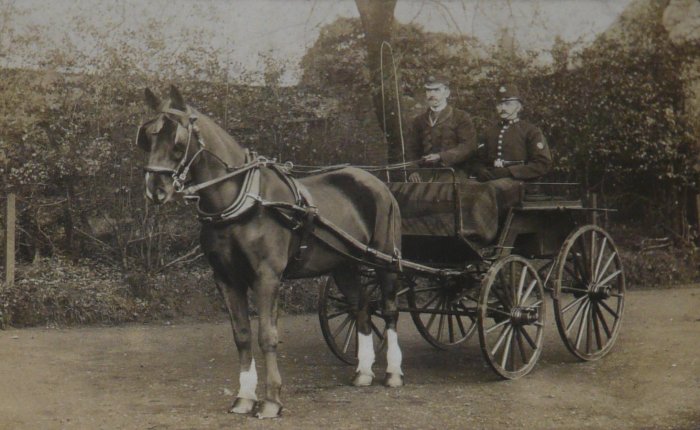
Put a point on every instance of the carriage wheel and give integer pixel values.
(338, 322)
(511, 317)
(589, 292)
(445, 313)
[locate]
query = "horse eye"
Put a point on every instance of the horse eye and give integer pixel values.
(178, 152)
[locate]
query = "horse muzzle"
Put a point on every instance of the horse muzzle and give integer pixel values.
(159, 190)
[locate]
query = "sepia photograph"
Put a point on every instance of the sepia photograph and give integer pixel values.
(350, 214)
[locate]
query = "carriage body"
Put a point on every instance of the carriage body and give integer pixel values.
(435, 231)
(469, 270)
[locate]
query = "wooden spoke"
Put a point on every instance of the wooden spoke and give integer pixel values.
(527, 337)
(601, 318)
(582, 324)
(376, 330)
(589, 329)
(610, 277)
(572, 304)
(530, 287)
(430, 302)
(573, 290)
(506, 314)
(607, 263)
(501, 337)
(596, 272)
(494, 327)
(607, 308)
(432, 316)
(402, 291)
(460, 324)
(348, 336)
(337, 314)
(441, 326)
(521, 346)
(450, 328)
(521, 285)
(596, 326)
(342, 325)
(576, 315)
(506, 350)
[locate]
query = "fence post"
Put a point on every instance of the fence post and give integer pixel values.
(10, 241)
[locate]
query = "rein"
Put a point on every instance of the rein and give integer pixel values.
(301, 216)
(249, 193)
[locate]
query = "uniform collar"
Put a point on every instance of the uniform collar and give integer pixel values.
(509, 122)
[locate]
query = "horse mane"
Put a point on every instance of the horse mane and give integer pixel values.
(206, 124)
(213, 134)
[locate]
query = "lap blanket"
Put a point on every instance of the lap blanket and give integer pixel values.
(469, 209)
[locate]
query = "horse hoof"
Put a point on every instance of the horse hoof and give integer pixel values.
(393, 380)
(362, 380)
(268, 409)
(242, 406)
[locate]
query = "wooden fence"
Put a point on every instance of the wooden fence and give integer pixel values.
(10, 234)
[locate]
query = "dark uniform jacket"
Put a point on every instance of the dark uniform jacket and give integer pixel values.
(516, 141)
(452, 136)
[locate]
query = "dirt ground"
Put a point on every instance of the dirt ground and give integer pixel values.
(183, 376)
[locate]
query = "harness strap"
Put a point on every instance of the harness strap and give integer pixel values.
(306, 233)
(248, 196)
(378, 259)
(237, 171)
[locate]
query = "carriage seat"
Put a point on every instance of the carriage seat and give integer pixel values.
(469, 210)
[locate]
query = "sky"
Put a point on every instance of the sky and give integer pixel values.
(285, 29)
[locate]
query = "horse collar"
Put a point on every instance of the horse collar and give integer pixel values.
(248, 195)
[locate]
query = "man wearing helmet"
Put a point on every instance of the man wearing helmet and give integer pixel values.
(513, 148)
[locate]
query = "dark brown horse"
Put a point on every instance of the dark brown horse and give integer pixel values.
(255, 220)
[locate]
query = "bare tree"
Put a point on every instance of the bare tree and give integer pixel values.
(377, 18)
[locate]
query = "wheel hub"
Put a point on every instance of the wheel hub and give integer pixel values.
(524, 316)
(600, 292)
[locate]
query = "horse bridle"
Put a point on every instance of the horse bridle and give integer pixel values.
(250, 186)
(179, 174)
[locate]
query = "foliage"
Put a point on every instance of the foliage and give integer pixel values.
(58, 292)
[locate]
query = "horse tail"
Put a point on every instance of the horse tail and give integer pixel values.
(387, 224)
(395, 225)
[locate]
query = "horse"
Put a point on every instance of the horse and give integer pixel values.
(258, 224)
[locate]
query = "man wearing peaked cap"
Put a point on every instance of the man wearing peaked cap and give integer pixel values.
(442, 135)
(513, 148)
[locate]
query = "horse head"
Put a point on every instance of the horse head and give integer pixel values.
(170, 144)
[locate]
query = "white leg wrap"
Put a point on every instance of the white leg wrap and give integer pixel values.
(248, 382)
(365, 354)
(393, 353)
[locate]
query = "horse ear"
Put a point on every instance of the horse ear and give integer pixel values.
(176, 99)
(142, 140)
(151, 99)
